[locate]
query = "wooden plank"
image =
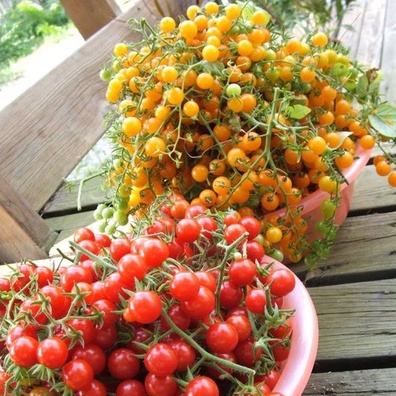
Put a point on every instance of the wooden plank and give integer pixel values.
(365, 248)
(66, 198)
(351, 26)
(89, 16)
(371, 35)
(353, 383)
(357, 321)
(17, 220)
(372, 192)
(388, 62)
(66, 225)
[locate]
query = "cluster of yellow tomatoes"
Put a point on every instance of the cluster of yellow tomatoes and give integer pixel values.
(230, 113)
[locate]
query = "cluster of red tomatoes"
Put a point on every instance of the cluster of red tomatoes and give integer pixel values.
(184, 304)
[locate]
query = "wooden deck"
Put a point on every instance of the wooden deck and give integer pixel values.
(354, 291)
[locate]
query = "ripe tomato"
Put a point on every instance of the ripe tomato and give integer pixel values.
(233, 232)
(131, 266)
(93, 354)
(281, 281)
(154, 251)
(202, 385)
(242, 271)
(119, 247)
(242, 325)
(252, 226)
(52, 352)
(178, 317)
(95, 388)
(185, 354)
(77, 374)
(221, 337)
(123, 364)
(161, 359)
(230, 294)
(160, 386)
(246, 353)
(184, 285)
(73, 274)
(256, 300)
(106, 337)
(23, 351)
(130, 387)
(188, 230)
(201, 305)
(146, 306)
(84, 327)
(83, 234)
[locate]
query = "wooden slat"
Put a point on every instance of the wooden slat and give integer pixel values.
(66, 225)
(371, 34)
(66, 198)
(388, 62)
(353, 383)
(89, 16)
(351, 26)
(17, 220)
(365, 248)
(359, 316)
(376, 192)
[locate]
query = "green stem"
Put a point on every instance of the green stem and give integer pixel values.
(205, 354)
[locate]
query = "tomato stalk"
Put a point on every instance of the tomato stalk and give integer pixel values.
(203, 352)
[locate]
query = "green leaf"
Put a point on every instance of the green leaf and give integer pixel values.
(214, 68)
(375, 78)
(362, 87)
(384, 120)
(297, 111)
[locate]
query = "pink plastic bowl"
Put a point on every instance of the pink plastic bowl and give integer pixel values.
(311, 204)
(297, 368)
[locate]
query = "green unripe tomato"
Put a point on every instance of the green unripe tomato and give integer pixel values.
(328, 208)
(107, 213)
(120, 217)
(105, 74)
(233, 90)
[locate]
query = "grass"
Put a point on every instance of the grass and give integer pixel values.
(10, 71)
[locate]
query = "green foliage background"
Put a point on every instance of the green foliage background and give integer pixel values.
(24, 26)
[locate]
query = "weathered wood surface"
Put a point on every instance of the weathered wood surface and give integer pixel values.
(353, 383)
(357, 322)
(89, 16)
(15, 240)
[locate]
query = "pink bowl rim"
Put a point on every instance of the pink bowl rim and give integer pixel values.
(297, 369)
(311, 202)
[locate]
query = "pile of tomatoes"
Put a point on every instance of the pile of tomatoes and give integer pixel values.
(228, 111)
(186, 304)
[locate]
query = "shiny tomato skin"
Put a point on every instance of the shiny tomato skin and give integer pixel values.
(123, 364)
(160, 386)
(130, 387)
(95, 388)
(23, 351)
(161, 359)
(281, 281)
(93, 354)
(52, 352)
(221, 337)
(77, 374)
(202, 385)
